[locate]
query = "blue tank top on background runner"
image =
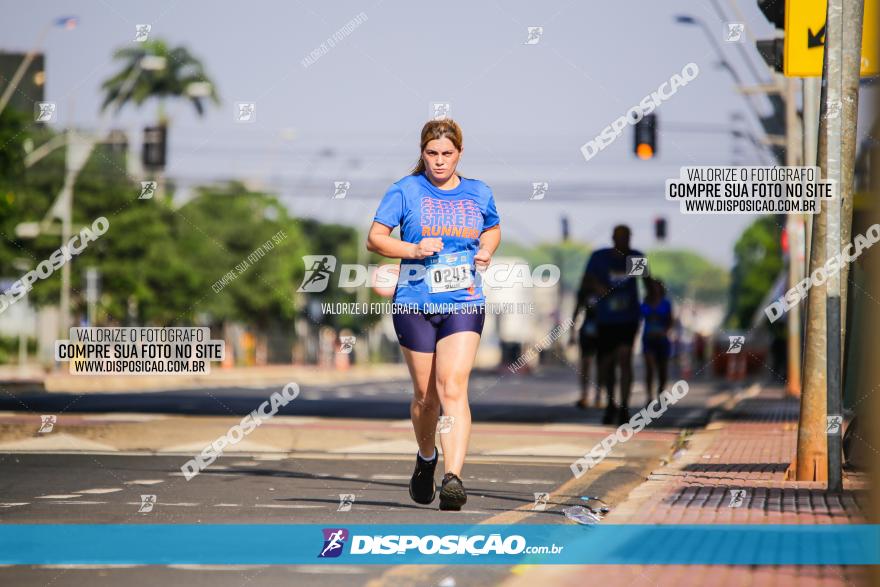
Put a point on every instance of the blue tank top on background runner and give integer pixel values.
(458, 217)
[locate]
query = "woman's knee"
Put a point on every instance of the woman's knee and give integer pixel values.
(452, 386)
(426, 397)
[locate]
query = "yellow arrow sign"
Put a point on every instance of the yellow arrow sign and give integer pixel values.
(805, 38)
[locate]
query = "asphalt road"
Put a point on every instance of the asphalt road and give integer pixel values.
(308, 487)
(93, 488)
(547, 397)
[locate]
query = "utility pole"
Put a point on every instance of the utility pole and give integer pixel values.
(794, 229)
(833, 75)
(843, 51)
(811, 463)
(820, 426)
(811, 93)
(853, 22)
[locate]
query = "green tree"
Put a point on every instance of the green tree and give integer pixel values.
(689, 275)
(217, 230)
(181, 75)
(571, 258)
(758, 261)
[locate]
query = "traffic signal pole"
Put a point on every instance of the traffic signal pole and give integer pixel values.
(853, 21)
(794, 230)
(833, 75)
(820, 427)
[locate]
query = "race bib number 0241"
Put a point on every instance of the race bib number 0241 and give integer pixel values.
(449, 272)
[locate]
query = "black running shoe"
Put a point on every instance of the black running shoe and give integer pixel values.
(422, 488)
(452, 494)
(610, 414)
(622, 415)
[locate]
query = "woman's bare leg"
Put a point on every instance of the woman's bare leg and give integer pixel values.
(650, 363)
(454, 359)
(425, 406)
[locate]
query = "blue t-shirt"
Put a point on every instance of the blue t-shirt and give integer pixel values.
(657, 319)
(458, 217)
(621, 304)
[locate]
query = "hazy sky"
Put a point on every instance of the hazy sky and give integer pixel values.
(525, 108)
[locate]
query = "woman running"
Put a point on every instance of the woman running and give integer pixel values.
(449, 228)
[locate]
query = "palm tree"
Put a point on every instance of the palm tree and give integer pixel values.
(180, 76)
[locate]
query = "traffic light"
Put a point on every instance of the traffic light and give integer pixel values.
(646, 137)
(660, 229)
(774, 10)
(154, 147)
(771, 50)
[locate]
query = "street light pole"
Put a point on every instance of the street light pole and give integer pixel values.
(68, 22)
(686, 19)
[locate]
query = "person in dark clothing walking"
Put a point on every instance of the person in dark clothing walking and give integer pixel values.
(611, 275)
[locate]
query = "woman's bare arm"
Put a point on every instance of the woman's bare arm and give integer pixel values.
(379, 240)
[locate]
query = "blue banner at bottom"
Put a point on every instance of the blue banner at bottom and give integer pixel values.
(439, 544)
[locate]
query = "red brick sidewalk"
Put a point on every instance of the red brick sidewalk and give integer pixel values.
(748, 450)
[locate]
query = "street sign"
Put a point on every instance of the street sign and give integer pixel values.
(805, 38)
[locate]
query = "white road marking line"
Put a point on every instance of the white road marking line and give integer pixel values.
(59, 496)
(245, 464)
(401, 424)
(287, 506)
(329, 569)
(381, 477)
(182, 503)
(13, 504)
(400, 446)
(87, 567)
(532, 482)
(270, 457)
(472, 512)
(215, 567)
(227, 505)
(57, 442)
(100, 490)
(78, 502)
(126, 416)
(145, 482)
(546, 450)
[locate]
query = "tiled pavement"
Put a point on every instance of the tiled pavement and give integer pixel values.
(745, 450)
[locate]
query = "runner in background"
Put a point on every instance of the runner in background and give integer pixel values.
(611, 275)
(449, 228)
(587, 338)
(657, 314)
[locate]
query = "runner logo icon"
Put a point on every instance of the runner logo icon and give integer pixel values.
(334, 541)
